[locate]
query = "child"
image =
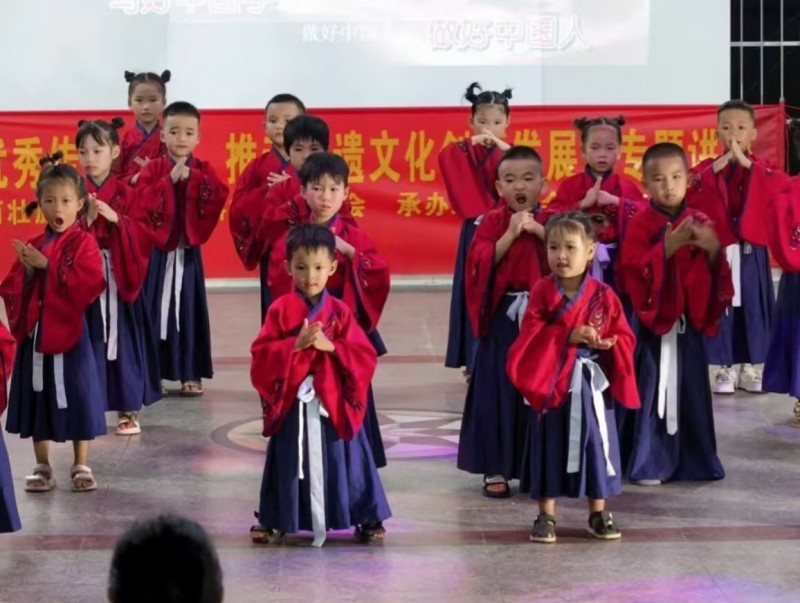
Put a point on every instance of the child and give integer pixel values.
(312, 365)
(56, 393)
(147, 96)
(469, 170)
(506, 258)
(262, 208)
(9, 516)
(679, 283)
(362, 280)
(728, 189)
(597, 191)
(127, 358)
(150, 548)
(782, 368)
(175, 286)
(573, 356)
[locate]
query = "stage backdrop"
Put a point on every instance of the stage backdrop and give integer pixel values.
(396, 190)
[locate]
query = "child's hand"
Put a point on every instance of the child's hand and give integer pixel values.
(91, 208)
(179, 170)
(494, 140)
(534, 228)
(604, 198)
(104, 209)
(680, 237)
(586, 335)
(274, 178)
(591, 195)
(186, 172)
(521, 221)
(721, 162)
(484, 139)
(606, 344)
(19, 249)
(322, 343)
(135, 178)
(307, 335)
(739, 155)
(141, 161)
(34, 258)
(345, 248)
(704, 237)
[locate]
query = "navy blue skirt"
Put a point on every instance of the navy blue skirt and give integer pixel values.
(495, 415)
(9, 516)
(544, 465)
(461, 344)
(743, 336)
(36, 414)
(782, 369)
(132, 380)
(186, 353)
(649, 452)
(354, 494)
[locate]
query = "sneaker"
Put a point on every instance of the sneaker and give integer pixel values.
(725, 381)
(602, 527)
(647, 482)
(544, 529)
(750, 379)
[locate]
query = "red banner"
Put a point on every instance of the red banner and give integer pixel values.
(396, 192)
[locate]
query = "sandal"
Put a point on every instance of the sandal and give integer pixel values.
(42, 479)
(544, 529)
(370, 532)
(191, 389)
(495, 480)
(82, 479)
(602, 527)
(263, 535)
(128, 424)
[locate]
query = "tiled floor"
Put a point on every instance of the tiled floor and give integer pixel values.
(734, 540)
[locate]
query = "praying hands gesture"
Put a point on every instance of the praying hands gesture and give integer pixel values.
(312, 336)
(181, 171)
(29, 256)
(736, 154)
(592, 195)
(488, 139)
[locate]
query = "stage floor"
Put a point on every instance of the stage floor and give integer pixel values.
(733, 540)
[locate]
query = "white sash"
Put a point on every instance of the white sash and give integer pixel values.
(109, 307)
(599, 384)
(173, 284)
(734, 255)
(58, 373)
(312, 410)
(668, 387)
(517, 308)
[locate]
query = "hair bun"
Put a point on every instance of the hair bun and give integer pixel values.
(117, 123)
(81, 122)
(57, 156)
(506, 94)
(166, 75)
(129, 76)
(470, 93)
(581, 122)
(620, 120)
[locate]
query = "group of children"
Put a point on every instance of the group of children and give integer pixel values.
(584, 326)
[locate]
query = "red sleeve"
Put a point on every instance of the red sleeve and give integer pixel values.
(130, 255)
(367, 280)
(618, 361)
(783, 219)
(568, 195)
(247, 206)
(542, 345)
(762, 185)
(7, 346)
(469, 172)
(709, 290)
(21, 296)
(480, 273)
(277, 369)
(342, 377)
(650, 280)
(206, 195)
(708, 194)
(155, 196)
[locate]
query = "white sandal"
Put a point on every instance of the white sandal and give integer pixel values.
(82, 473)
(42, 479)
(132, 420)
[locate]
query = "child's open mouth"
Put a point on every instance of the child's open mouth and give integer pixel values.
(59, 221)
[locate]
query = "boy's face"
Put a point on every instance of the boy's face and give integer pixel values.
(325, 197)
(277, 116)
(736, 124)
(300, 150)
(181, 134)
(569, 253)
(520, 183)
(666, 179)
(310, 269)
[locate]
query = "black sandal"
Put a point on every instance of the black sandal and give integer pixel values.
(495, 480)
(370, 532)
(544, 529)
(602, 527)
(263, 535)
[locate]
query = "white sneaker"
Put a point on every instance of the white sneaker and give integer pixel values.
(724, 381)
(750, 379)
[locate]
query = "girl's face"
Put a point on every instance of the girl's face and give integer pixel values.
(60, 205)
(569, 253)
(96, 158)
(147, 103)
(490, 117)
(601, 149)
